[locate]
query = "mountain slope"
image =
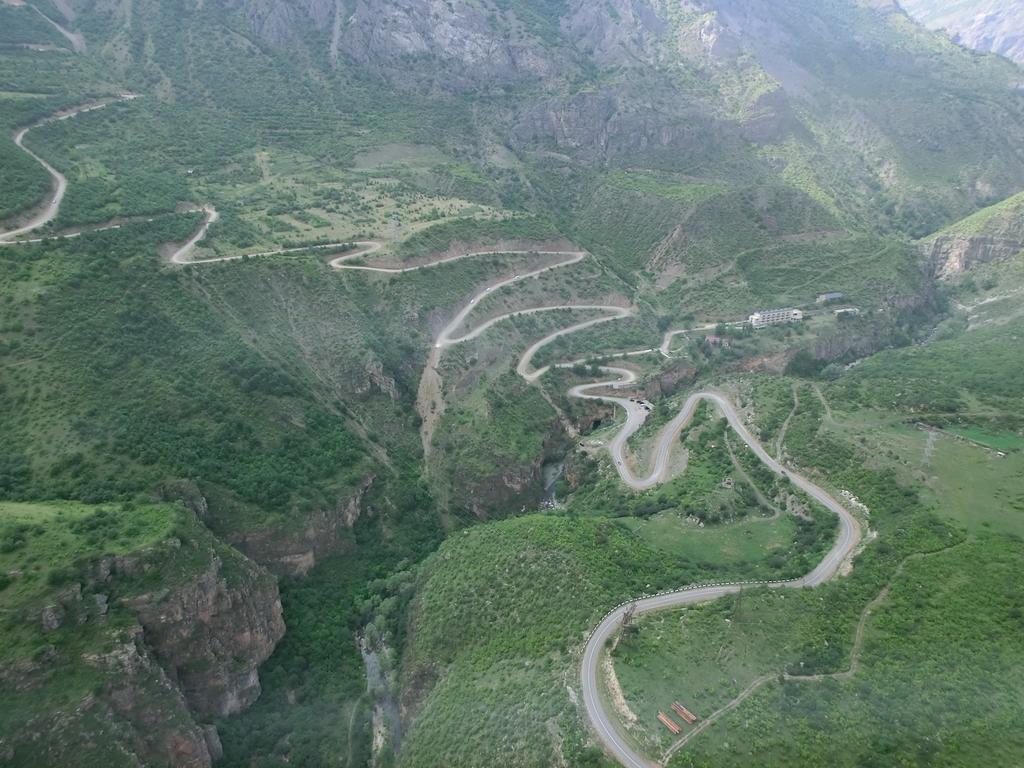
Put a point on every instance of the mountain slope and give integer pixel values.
(712, 157)
(992, 26)
(103, 664)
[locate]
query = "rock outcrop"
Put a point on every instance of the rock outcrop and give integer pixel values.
(143, 694)
(294, 552)
(615, 33)
(951, 255)
(614, 122)
(669, 382)
(211, 634)
(468, 41)
(992, 26)
(138, 714)
(171, 636)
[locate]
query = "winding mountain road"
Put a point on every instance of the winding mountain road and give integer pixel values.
(46, 210)
(430, 404)
(849, 536)
(849, 530)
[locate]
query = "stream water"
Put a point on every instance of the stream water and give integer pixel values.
(551, 473)
(385, 708)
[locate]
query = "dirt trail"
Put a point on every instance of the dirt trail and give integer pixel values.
(929, 447)
(46, 210)
(824, 402)
(780, 440)
(763, 500)
(77, 39)
(716, 716)
(856, 651)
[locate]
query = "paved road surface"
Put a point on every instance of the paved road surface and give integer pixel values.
(849, 535)
(47, 210)
(636, 413)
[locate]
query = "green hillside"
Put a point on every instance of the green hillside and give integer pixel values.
(259, 412)
(1000, 220)
(88, 596)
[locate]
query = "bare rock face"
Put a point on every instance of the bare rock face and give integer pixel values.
(212, 633)
(669, 382)
(608, 123)
(617, 33)
(376, 378)
(52, 617)
(213, 745)
(518, 485)
(953, 255)
(594, 416)
(461, 36)
(466, 44)
(325, 532)
(995, 26)
(280, 21)
(162, 730)
(165, 658)
(137, 707)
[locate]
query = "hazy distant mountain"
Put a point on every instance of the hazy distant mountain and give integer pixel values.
(986, 25)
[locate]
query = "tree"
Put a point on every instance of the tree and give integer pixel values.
(628, 627)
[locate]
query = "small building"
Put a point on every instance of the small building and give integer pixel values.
(846, 311)
(766, 317)
(717, 341)
(825, 298)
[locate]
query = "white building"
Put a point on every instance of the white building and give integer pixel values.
(766, 317)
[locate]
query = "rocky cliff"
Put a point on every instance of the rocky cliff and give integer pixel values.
(950, 255)
(135, 715)
(470, 42)
(992, 26)
(443, 44)
(992, 234)
(211, 632)
(293, 551)
(121, 658)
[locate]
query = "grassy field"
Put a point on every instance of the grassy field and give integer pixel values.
(972, 376)
(1000, 220)
(964, 483)
(1000, 441)
(523, 594)
(976, 488)
(938, 681)
(665, 187)
(45, 546)
(729, 545)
